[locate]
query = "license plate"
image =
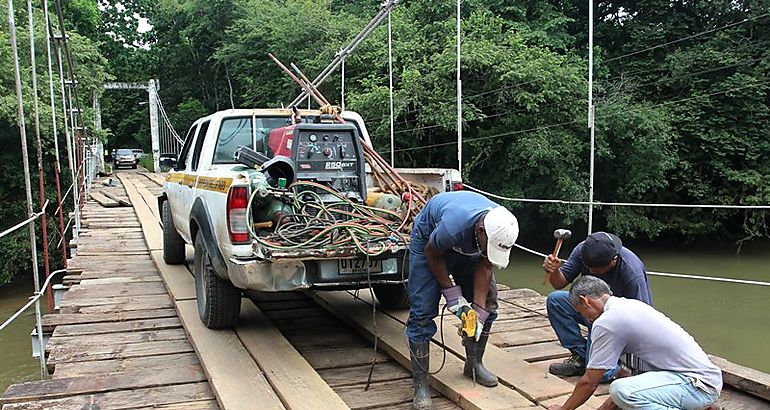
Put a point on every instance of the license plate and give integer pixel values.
(359, 266)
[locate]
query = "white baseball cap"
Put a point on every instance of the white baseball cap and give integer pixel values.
(502, 229)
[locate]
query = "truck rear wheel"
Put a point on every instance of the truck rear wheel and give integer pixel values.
(219, 302)
(392, 296)
(173, 244)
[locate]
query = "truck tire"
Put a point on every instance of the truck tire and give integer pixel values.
(393, 297)
(173, 244)
(219, 302)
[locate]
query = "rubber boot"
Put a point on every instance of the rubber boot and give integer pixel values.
(474, 352)
(420, 355)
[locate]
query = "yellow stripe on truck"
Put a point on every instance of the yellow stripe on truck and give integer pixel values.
(214, 184)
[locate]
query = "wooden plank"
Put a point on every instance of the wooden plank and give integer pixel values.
(295, 381)
(86, 342)
(70, 354)
(158, 300)
(523, 337)
(232, 373)
(526, 378)
(743, 378)
(438, 403)
(382, 394)
(341, 356)
(125, 399)
(383, 372)
(55, 388)
(116, 198)
(96, 367)
(152, 202)
(118, 327)
(58, 319)
(450, 382)
(593, 403)
(150, 227)
(123, 289)
(538, 351)
(178, 280)
(103, 200)
(520, 324)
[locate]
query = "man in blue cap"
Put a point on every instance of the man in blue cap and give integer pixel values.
(602, 255)
(456, 240)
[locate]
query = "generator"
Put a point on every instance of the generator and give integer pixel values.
(329, 154)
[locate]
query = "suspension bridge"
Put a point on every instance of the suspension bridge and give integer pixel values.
(123, 330)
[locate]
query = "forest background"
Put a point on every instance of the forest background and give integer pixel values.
(682, 96)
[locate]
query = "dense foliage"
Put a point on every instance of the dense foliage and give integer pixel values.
(682, 95)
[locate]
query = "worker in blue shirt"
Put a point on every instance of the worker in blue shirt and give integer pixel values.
(602, 255)
(462, 234)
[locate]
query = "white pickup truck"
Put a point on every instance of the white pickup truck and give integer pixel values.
(205, 201)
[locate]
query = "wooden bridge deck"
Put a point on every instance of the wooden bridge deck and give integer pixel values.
(128, 336)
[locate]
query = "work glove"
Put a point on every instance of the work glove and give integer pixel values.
(455, 300)
(481, 316)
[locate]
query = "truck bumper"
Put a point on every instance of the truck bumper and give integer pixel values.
(286, 275)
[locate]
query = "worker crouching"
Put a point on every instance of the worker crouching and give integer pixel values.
(463, 234)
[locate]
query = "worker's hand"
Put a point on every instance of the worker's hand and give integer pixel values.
(551, 265)
(454, 299)
(554, 407)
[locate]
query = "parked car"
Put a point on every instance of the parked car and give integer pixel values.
(124, 157)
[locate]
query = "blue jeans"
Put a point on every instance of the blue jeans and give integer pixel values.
(425, 292)
(565, 321)
(660, 390)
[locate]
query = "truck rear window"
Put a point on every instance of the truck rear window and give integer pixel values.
(249, 131)
(253, 132)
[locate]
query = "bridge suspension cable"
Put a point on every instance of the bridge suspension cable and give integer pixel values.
(27, 183)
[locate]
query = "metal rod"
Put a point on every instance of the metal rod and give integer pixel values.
(57, 164)
(68, 135)
(385, 9)
(295, 78)
(459, 99)
(39, 146)
(591, 112)
(78, 126)
(27, 183)
(342, 93)
(390, 92)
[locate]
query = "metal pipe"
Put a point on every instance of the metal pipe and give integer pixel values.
(80, 129)
(591, 113)
(385, 9)
(27, 183)
(68, 136)
(294, 77)
(57, 164)
(390, 93)
(342, 93)
(39, 146)
(459, 100)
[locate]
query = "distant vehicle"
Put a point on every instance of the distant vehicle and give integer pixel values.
(138, 153)
(125, 157)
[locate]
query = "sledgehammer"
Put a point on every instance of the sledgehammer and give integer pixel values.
(560, 235)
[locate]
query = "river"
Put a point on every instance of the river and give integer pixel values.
(728, 320)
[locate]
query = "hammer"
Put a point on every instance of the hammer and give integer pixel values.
(560, 235)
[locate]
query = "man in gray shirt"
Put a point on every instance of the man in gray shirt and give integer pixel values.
(683, 377)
